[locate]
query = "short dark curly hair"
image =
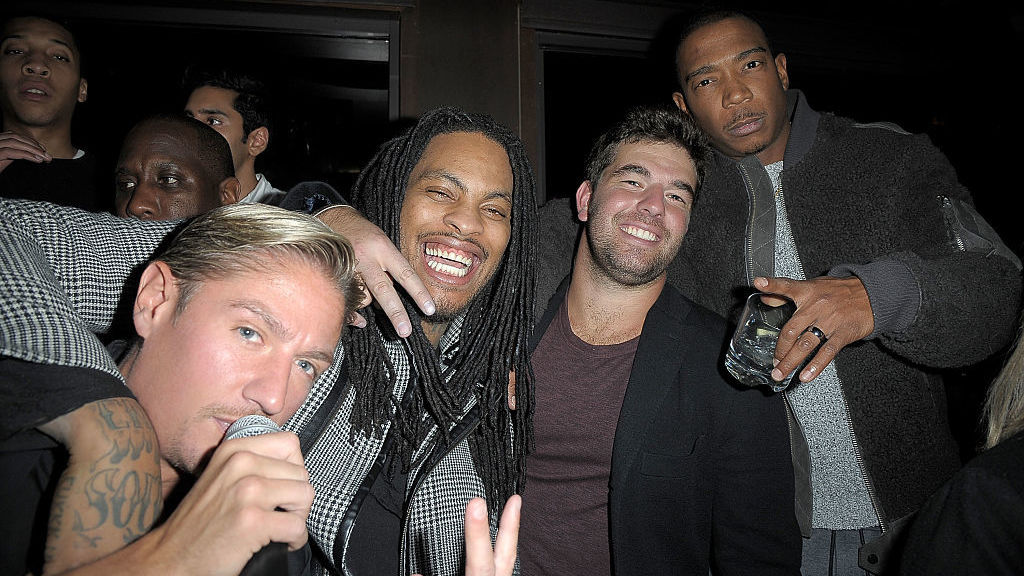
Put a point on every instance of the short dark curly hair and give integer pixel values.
(253, 100)
(660, 123)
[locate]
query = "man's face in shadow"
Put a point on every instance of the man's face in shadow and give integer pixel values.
(40, 75)
(160, 175)
(215, 107)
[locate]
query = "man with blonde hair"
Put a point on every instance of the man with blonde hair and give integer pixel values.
(238, 315)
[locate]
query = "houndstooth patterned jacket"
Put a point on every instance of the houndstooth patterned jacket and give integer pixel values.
(62, 275)
(437, 491)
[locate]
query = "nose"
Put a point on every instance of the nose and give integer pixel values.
(464, 217)
(35, 65)
(269, 386)
(143, 204)
(736, 92)
(652, 201)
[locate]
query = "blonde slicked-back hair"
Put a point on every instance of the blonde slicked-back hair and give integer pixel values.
(243, 238)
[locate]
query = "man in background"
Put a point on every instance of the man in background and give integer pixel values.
(237, 106)
(173, 167)
(895, 277)
(41, 84)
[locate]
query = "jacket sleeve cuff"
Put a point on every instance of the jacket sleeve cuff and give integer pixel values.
(312, 198)
(892, 290)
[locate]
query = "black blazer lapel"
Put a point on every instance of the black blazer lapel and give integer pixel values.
(655, 366)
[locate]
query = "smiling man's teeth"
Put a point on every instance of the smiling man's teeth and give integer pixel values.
(35, 91)
(447, 269)
(640, 233)
(453, 256)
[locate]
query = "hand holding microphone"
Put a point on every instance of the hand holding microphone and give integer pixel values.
(272, 559)
(253, 494)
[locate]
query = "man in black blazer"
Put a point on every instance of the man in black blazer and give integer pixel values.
(647, 460)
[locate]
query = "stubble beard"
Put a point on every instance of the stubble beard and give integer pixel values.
(630, 266)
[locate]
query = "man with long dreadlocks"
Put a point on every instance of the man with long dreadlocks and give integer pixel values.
(427, 423)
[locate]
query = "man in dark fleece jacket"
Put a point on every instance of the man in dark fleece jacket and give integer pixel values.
(866, 228)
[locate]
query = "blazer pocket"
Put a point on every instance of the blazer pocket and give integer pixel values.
(672, 465)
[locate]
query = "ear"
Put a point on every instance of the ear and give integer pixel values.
(155, 300)
(83, 90)
(780, 66)
(677, 97)
(230, 191)
(257, 141)
(583, 194)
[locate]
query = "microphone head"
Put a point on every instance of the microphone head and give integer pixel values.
(251, 425)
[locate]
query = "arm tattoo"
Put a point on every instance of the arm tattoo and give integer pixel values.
(110, 494)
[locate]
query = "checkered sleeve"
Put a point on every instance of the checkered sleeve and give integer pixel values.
(62, 275)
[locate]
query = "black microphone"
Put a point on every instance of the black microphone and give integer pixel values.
(272, 559)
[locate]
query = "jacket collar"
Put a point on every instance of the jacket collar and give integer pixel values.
(804, 127)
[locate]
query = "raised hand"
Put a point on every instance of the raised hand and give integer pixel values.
(254, 491)
(18, 147)
(481, 559)
(380, 265)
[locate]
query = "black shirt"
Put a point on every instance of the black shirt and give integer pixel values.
(70, 182)
(30, 461)
(975, 523)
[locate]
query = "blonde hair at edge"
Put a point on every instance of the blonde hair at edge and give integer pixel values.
(240, 238)
(1004, 404)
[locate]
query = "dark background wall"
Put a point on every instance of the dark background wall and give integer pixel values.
(350, 74)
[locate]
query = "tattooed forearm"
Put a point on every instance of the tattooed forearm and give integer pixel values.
(110, 494)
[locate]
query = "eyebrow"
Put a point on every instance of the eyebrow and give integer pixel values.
(632, 169)
(211, 111)
(499, 194)
(22, 37)
(709, 67)
(441, 174)
(62, 43)
(168, 165)
(683, 186)
(641, 171)
(279, 329)
(160, 166)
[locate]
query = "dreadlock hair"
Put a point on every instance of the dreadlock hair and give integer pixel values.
(496, 329)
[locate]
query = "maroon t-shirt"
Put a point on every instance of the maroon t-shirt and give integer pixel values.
(579, 392)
